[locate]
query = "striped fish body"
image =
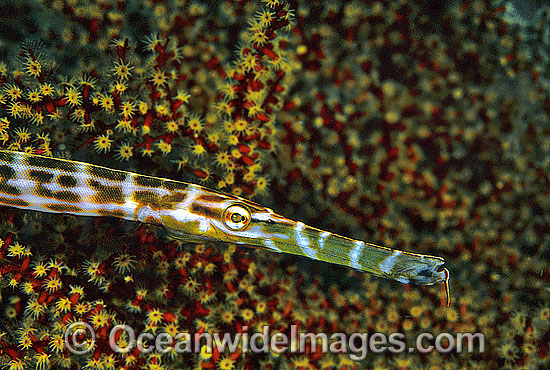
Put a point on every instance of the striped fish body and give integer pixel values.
(194, 213)
(56, 185)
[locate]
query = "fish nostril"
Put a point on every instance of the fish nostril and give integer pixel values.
(425, 273)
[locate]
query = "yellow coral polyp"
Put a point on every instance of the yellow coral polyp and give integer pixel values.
(152, 41)
(198, 149)
(37, 118)
(205, 353)
(222, 158)
(235, 153)
(16, 110)
(40, 270)
(33, 67)
(190, 286)
(451, 314)
(163, 109)
(34, 95)
(183, 96)
(233, 140)
(248, 62)
(223, 108)
(122, 70)
(229, 91)
(258, 37)
(158, 78)
(247, 314)
(261, 185)
(249, 176)
(13, 92)
(164, 147)
(518, 321)
(195, 123)
(52, 284)
(42, 360)
(154, 316)
(119, 87)
(508, 350)
(103, 143)
(128, 109)
(255, 110)
(226, 363)
(214, 137)
(392, 116)
(124, 125)
(106, 102)
(63, 305)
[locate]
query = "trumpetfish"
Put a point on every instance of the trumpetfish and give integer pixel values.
(194, 213)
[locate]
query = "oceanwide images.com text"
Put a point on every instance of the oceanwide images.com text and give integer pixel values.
(80, 338)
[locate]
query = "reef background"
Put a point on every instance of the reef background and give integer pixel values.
(417, 127)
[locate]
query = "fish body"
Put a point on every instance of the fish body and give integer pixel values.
(194, 213)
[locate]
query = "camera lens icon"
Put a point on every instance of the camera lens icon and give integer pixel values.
(80, 338)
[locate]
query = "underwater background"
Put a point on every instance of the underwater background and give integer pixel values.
(416, 125)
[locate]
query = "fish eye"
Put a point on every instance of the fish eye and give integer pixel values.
(236, 217)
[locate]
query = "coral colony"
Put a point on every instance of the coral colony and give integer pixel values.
(418, 128)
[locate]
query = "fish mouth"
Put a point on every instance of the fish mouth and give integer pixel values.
(430, 274)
